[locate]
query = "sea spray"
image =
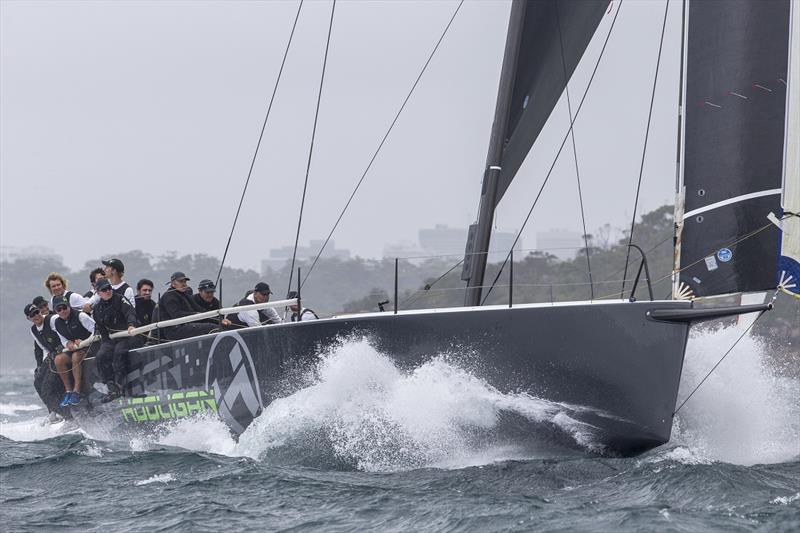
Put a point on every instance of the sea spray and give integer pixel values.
(376, 417)
(746, 412)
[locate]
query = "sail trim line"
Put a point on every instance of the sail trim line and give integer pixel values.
(729, 201)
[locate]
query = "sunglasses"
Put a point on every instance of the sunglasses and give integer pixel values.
(105, 289)
(61, 308)
(33, 313)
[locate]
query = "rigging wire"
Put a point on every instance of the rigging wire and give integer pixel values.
(380, 145)
(720, 361)
(428, 286)
(644, 149)
(260, 137)
(311, 147)
(575, 153)
(552, 166)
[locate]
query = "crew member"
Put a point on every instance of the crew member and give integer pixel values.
(258, 317)
(205, 298)
(145, 305)
(113, 313)
(43, 304)
(46, 346)
(114, 270)
(56, 284)
(94, 275)
(298, 315)
(72, 326)
(177, 302)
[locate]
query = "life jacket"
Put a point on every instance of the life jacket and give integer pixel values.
(71, 328)
(121, 290)
(67, 295)
(47, 337)
(234, 318)
(297, 316)
(145, 311)
(110, 314)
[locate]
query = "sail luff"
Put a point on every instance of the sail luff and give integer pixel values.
(789, 261)
(680, 190)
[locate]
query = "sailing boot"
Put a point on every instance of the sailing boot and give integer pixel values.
(114, 392)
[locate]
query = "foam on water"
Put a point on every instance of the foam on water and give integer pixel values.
(747, 411)
(376, 417)
(36, 429)
(157, 478)
(12, 409)
(361, 410)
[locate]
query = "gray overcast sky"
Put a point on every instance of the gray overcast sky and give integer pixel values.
(131, 125)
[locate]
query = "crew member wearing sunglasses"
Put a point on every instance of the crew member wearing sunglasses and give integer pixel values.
(72, 326)
(113, 313)
(46, 347)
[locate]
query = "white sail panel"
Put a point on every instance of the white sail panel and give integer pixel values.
(789, 263)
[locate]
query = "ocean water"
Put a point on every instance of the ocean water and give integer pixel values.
(366, 446)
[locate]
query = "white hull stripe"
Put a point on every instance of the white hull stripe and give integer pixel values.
(734, 200)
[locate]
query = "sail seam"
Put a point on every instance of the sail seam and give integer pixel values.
(729, 201)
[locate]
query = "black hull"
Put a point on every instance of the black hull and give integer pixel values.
(620, 366)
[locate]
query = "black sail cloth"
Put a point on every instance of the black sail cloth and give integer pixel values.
(735, 105)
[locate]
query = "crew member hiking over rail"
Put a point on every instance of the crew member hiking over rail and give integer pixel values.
(73, 326)
(113, 313)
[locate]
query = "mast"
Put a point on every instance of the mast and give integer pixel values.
(680, 194)
(480, 233)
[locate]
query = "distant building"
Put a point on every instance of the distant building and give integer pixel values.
(279, 257)
(444, 240)
(402, 249)
(562, 243)
(9, 254)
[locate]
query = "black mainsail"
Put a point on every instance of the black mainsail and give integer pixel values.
(545, 38)
(736, 72)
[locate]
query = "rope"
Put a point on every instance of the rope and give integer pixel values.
(258, 144)
(311, 147)
(563, 141)
(644, 148)
(575, 153)
(718, 362)
(380, 145)
(428, 286)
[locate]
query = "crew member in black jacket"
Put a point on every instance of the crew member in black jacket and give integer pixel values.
(46, 345)
(145, 305)
(177, 302)
(204, 297)
(113, 313)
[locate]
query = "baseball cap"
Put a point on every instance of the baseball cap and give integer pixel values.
(102, 283)
(177, 276)
(262, 287)
(31, 310)
(39, 301)
(206, 285)
(115, 263)
(60, 300)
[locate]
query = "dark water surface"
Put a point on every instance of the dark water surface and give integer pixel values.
(368, 447)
